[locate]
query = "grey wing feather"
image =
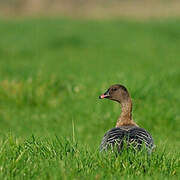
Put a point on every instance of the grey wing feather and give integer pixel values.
(113, 136)
(131, 134)
(141, 136)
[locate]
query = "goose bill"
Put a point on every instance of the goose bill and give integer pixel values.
(104, 96)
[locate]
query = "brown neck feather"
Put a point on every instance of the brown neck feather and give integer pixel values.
(125, 118)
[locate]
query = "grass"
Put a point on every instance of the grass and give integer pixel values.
(61, 159)
(51, 74)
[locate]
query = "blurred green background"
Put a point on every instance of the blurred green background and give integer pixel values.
(54, 66)
(52, 71)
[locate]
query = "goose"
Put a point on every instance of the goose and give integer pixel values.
(126, 129)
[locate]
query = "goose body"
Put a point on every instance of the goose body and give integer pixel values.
(132, 134)
(126, 129)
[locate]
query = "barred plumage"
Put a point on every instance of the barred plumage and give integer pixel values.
(133, 135)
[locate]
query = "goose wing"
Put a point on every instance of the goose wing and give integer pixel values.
(141, 136)
(113, 136)
(132, 134)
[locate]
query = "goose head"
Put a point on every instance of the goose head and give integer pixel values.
(117, 93)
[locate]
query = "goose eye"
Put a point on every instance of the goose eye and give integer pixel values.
(114, 89)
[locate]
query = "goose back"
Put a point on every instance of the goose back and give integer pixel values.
(133, 135)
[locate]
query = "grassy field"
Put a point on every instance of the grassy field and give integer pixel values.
(51, 74)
